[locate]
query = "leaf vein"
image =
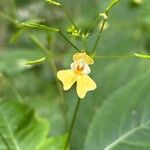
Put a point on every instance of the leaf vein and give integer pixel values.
(124, 136)
(9, 130)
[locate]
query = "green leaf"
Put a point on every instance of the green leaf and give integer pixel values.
(20, 127)
(55, 143)
(13, 61)
(25, 130)
(123, 121)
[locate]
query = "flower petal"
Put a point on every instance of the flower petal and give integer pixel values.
(67, 77)
(83, 57)
(86, 68)
(84, 84)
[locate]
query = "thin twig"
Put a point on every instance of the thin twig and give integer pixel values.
(103, 23)
(14, 90)
(68, 15)
(39, 44)
(60, 32)
(98, 37)
(93, 24)
(8, 18)
(115, 56)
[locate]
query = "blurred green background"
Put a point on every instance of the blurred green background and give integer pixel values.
(127, 33)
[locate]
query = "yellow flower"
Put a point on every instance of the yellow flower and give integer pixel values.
(83, 57)
(78, 73)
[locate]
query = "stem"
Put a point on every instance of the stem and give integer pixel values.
(14, 7)
(52, 29)
(39, 26)
(103, 23)
(99, 35)
(39, 44)
(54, 69)
(61, 102)
(14, 90)
(72, 124)
(68, 15)
(60, 89)
(59, 86)
(8, 18)
(68, 41)
(92, 26)
(116, 56)
(84, 44)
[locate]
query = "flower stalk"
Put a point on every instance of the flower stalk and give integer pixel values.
(69, 16)
(99, 35)
(60, 32)
(105, 17)
(72, 124)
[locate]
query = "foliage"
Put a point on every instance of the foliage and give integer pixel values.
(115, 116)
(22, 129)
